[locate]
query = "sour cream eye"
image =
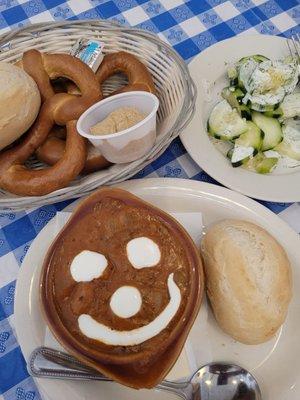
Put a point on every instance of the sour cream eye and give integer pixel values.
(143, 252)
(87, 266)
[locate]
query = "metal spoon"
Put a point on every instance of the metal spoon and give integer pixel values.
(217, 381)
(214, 381)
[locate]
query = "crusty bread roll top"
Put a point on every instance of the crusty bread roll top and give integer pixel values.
(19, 103)
(248, 278)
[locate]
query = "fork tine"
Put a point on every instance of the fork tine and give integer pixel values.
(296, 41)
(289, 46)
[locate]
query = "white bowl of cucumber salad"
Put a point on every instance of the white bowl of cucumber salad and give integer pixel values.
(246, 129)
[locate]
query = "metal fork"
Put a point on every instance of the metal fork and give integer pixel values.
(294, 47)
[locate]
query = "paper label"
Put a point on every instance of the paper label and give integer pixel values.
(88, 51)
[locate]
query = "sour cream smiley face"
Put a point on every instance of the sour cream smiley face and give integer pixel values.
(126, 301)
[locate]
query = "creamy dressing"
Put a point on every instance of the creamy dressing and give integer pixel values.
(241, 152)
(291, 105)
(270, 81)
(226, 121)
(231, 120)
(88, 265)
(267, 98)
(97, 331)
(291, 133)
(246, 70)
(143, 252)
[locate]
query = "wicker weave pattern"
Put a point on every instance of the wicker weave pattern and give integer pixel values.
(175, 89)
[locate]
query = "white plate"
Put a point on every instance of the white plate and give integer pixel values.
(276, 364)
(208, 71)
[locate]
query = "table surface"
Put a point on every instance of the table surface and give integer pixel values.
(190, 27)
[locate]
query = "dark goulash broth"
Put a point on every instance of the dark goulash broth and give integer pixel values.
(107, 229)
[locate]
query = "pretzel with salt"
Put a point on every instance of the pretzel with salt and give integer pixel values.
(61, 109)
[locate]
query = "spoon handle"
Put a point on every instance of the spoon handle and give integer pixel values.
(45, 362)
(175, 388)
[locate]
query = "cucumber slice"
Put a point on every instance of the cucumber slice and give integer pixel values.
(239, 94)
(290, 145)
(246, 67)
(245, 71)
(270, 81)
(277, 113)
(246, 145)
(236, 163)
(240, 84)
(228, 95)
(256, 57)
(259, 58)
(232, 73)
(225, 123)
(245, 111)
(291, 106)
(234, 82)
(253, 137)
(285, 149)
(241, 154)
(233, 76)
(229, 153)
(261, 164)
(271, 129)
(233, 97)
(266, 165)
(262, 108)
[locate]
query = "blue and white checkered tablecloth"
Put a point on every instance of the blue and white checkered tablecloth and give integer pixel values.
(189, 26)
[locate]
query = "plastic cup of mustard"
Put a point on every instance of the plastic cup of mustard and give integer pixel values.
(128, 144)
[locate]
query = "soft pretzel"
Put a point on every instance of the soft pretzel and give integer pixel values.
(62, 109)
(53, 150)
(139, 78)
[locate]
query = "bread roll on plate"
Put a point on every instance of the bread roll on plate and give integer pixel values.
(19, 103)
(248, 278)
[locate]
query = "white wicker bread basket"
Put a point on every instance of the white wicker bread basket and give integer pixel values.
(175, 89)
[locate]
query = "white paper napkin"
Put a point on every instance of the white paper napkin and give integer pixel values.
(193, 353)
